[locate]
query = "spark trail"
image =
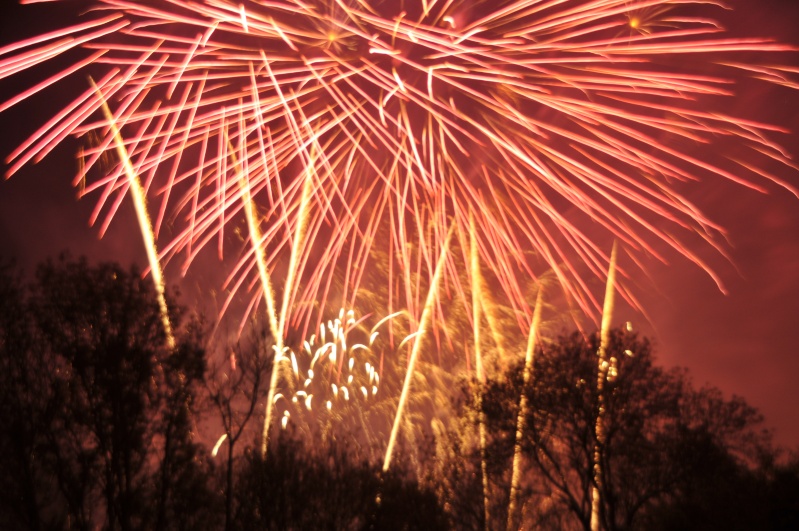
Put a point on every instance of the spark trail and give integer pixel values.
(602, 375)
(253, 225)
(424, 323)
(529, 368)
(477, 298)
(546, 119)
(146, 227)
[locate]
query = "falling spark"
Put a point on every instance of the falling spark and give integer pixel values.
(477, 298)
(218, 444)
(140, 204)
(423, 323)
(253, 225)
(299, 237)
(324, 382)
(602, 374)
(529, 367)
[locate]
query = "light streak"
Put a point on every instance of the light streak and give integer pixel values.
(218, 444)
(251, 215)
(602, 375)
(477, 298)
(529, 368)
(145, 226)
(423, 323)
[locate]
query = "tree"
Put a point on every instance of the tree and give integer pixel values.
(98, 422)
(235, 388)
(303, 486)
(98, 410)
(659, 432)
(27, 404)
(182, 488)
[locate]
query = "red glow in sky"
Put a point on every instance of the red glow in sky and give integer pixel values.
(742, 342)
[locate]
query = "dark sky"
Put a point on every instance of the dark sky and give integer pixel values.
(745, 342)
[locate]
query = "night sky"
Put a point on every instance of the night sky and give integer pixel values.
(744, 342)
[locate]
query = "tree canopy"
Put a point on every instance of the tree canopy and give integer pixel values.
(668, 446)
(99, 428)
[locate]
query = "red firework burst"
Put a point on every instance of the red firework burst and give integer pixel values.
(539, 118)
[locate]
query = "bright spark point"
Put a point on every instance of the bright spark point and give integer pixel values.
(218, 444)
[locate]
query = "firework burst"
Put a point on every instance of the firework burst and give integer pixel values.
(336, 369)
(403, 117)
(345, 136)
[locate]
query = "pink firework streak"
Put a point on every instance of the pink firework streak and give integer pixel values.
(537, 118)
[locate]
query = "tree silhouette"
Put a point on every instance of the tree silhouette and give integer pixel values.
(300, 487)
(183, 494)
(27, 402)
(99, 408)
(98, 429)
(660, 432)
(234, 388)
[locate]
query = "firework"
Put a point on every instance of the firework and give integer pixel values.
(424, 323)
(336, 132)
(332, 370)
(529, 367)
(334, 387)
(603, 374)
(540, 117)
(140, 204)
(275, 328)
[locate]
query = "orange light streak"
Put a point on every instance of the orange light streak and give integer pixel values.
(421, 331)
(140, 202)
(602, 375)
